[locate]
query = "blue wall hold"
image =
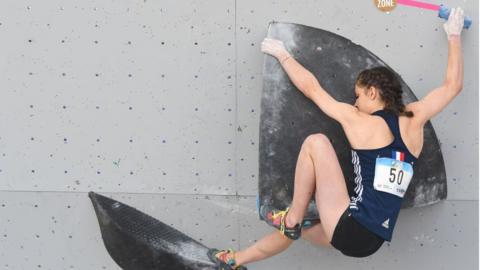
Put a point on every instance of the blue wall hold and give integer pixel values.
(444, 12)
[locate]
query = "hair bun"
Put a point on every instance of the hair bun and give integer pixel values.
(385, 79)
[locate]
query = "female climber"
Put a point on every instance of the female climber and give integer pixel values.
(386, 137)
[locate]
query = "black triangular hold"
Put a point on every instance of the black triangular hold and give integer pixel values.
(137, 241)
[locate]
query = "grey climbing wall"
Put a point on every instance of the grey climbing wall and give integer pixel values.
(156, 104)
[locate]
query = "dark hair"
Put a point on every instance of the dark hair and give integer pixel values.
(388, 85)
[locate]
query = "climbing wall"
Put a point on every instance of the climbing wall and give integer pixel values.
(157, 104)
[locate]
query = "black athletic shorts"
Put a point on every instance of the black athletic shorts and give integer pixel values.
(353, 239)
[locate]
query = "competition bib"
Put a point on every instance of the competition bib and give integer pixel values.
(392, 176)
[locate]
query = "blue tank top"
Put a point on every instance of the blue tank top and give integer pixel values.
(382, 177)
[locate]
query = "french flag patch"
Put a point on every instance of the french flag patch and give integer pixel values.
(398, 155)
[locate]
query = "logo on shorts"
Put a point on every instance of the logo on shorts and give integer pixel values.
(385, 223)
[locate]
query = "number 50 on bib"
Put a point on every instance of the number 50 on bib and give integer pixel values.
(392, 176)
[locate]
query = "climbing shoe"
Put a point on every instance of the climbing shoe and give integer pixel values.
(224, 259)
(276, 219)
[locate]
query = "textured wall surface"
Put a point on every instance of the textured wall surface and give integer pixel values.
(156, 104)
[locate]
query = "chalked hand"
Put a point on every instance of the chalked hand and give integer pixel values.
(274, 47)
(454, 25)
